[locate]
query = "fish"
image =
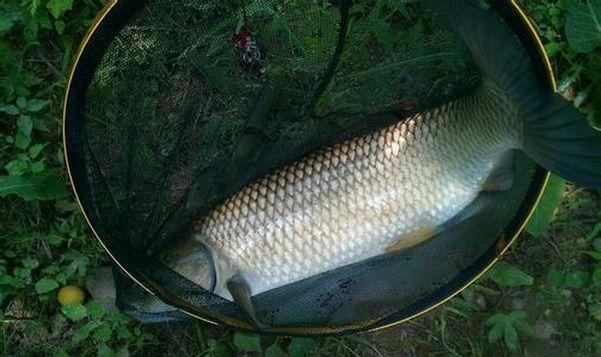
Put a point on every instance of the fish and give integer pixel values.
(396, 187)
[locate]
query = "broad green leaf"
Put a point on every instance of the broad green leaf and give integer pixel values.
(15, 168)
(95, 308)
(103, 334)
(45, 285)
(25, 124)
(37, 167)
(552, 48)
(75, 312)
(576, 279)
(42, 186)
(83, 332)
(12, 281)
(519, 321)
(41, 125)
(247, 342)
(506, 327)
(30, 263)
(508, 275)
(33, 6)
(21, 102)
(123, 333)
(9, 109)
(583, 24)
(511, 338)
(23, 273)
(35, 150)
(105, 351)
(555, 278)
(59, 26)
(22, 140)
(35, 105)
(545, 211)
(8, 19)
(58, 7)
(44, 20)
(54, 239)
(495, 333)
(79, 262)
(9, 253)
(301, 347)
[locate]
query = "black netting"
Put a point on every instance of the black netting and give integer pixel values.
(167, 117)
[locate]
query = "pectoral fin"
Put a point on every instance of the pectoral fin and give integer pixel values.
(240, 291)
(412, 239)
(476, 206)
(501, 177)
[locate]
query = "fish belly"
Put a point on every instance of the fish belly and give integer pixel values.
(338, 206)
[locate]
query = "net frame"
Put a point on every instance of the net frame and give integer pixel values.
(513, 14)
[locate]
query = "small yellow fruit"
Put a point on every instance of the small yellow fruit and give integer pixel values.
(70, 295)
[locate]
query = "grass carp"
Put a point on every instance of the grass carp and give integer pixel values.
(393, 188)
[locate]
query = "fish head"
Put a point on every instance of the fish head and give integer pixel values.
(193, 260)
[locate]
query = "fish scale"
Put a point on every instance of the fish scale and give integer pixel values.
(353, 200)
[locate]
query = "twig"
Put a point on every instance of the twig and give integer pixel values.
(51, 66)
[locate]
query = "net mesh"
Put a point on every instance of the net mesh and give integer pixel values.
(177, 104)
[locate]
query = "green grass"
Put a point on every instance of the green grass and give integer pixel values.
(544, 298)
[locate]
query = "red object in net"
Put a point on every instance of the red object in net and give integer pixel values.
(242, 38)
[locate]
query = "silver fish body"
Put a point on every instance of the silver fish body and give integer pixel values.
(355, 199)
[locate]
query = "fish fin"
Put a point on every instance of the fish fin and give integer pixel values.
(412, 239)
(501, 177)
(555, 134)
(238, 287)
(483, 199)
(422, 234)
(560, 139)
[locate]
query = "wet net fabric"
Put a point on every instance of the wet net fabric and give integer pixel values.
(176, 105)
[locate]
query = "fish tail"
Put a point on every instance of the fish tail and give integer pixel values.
(555, 134)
